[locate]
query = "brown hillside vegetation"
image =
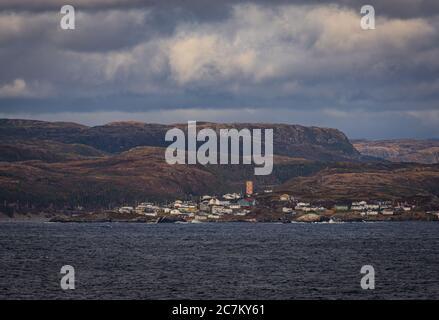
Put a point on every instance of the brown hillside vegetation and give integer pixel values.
(63, 165)
(419, 151)
(45, 150)
(369, 182)
(322, 144)
(136, 175)
(132, 176)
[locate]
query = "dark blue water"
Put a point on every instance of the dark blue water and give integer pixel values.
(219, 261)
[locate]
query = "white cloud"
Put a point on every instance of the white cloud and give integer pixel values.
(17, 88)
(20, 89)
(255, 46)
(302, 58)
(260, 44)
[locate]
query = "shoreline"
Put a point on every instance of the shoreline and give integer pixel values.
(83, 221)
(254, 217)
(4, 222)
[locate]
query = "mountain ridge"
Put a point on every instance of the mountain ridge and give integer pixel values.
(65, 165)
(400, 150)
(290, 140)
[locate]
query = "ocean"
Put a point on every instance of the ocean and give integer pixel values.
(219, 260)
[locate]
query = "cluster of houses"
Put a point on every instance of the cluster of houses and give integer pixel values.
(293, 206)
(363, 208)
(207, 208)
(381, 207)
(146, 209)
(235, 204)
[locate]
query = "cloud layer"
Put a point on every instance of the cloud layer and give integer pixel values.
(288, 62)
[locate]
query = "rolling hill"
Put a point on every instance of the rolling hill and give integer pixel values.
(313, 143)
(135, 175)
(45, 150)
(65, 165)
(346, 182)
(408, 150)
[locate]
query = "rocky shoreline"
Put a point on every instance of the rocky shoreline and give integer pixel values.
(110, 216)
(253, 218)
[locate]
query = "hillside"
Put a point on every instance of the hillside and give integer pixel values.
(419, 151)
(131, 176)
(312, 143)
(45, 150)
(135, 175)
(65, 165)
(353, 182)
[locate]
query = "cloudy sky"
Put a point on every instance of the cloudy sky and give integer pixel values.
(305, 62)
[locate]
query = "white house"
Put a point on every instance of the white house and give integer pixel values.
(232, 196)
(221, 210)
(126, 210)
(150, 214)
(387, 212)
(214, 202)
(178, 203)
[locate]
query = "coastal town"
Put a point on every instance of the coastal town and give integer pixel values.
(266, 206)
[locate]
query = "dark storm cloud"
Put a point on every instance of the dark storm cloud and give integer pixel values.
(293, 61)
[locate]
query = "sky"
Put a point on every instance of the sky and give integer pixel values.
(298, 62)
